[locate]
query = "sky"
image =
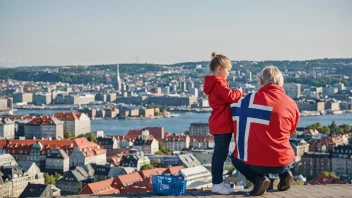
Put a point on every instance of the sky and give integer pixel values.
(85, 32)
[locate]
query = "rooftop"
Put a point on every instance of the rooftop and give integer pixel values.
(321, 191)
(64, 116)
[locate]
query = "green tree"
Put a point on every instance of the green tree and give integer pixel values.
(49, 179)
(334, 128)
(57, 176)
(147, 167)
(345, 128)
(90, 137)
(159, 153)
(156, 163)
(162, 147)
(68, 135)
(325, 130)
(230, 168)
(314, 126)
(328, 174)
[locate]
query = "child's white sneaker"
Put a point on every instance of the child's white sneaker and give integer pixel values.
(228, 188)
(221, 189)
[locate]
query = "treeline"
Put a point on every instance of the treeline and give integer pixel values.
(76, 74)
(333, 128)
(256, 66)
(320, 81)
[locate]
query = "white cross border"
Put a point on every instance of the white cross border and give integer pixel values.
(248, 123)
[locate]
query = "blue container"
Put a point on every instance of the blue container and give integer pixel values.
(169, 185)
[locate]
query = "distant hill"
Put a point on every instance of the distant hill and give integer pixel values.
(89, 74)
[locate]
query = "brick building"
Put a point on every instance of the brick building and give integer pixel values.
(44, 127)
(315, 163)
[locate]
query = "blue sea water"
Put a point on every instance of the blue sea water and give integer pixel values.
(179, 124)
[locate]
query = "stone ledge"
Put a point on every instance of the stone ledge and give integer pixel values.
(321, 191)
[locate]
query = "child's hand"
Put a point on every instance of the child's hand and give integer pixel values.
(240, 89)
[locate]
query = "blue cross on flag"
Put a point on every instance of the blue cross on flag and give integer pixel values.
(244, 112)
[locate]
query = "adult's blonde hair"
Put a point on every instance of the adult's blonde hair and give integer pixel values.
(271, 75)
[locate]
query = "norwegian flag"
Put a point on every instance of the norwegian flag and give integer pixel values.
(245, 113)
(263, 123)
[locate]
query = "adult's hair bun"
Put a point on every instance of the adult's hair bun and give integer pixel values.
(213, 54)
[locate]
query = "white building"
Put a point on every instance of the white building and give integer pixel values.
(7, 160)
(177, 142)
(136, 160)
(193, 91)
(7, 128)
(42, 98)
(197, 177)
(87, 153)
(99, 134)
(57, 160)
(146, 143)
(293, 90)
(199, 129)
(75, 123)
(14, 180)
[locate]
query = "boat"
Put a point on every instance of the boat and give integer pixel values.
(310, 113)
(334, 112)
(337, 112)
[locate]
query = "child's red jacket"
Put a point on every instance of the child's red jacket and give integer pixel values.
(220, 96)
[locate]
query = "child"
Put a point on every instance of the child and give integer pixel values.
(220, 96)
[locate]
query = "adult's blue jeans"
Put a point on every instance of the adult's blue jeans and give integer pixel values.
(221, 151)
(252, 172)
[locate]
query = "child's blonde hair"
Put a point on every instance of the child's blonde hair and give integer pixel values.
(219, 60)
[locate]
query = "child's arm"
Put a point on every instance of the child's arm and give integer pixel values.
(227, 94)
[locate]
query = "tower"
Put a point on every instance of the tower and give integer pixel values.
(118, 80)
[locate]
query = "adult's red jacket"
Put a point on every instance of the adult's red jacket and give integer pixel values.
(220, 96)
(263, 124)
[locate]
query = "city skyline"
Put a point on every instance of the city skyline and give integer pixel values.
(76, 33)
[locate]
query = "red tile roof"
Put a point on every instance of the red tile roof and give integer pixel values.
(64, 116)
(23, 147)
(174, 170)
(42, 120)
(155, 171)
(134, 132)
(3, 143)
(89, 148)
(124, 181)
(99, 188)
(157, 132)
(21, 117)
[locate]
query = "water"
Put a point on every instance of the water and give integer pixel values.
(179, 124)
